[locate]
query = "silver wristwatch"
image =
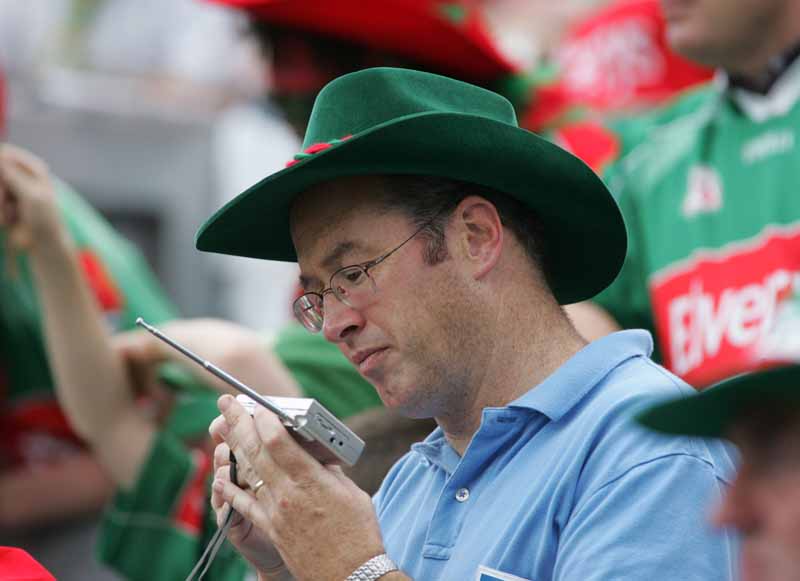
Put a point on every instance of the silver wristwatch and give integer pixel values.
(373, 569)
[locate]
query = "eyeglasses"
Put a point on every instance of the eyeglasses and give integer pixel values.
(352, 285)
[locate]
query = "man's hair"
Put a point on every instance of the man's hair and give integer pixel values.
(433, 199)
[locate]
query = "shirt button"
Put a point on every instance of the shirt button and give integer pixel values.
(462, 495)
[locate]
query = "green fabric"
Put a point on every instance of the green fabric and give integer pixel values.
(712, 412)
(23, 360)
(409, 122)
(324, 373)
(144, 536)
(713, 215)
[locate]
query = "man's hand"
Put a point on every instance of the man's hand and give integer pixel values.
(27, 200)
(250, 541)
(320, 522)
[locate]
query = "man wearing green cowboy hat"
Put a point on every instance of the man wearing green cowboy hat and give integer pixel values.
(437, 242)
(760, 413)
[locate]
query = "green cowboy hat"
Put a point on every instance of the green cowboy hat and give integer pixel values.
(713, 411)
(397, 121)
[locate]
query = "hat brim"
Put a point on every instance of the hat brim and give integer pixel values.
(415, 29)
(583, 228)
(712, 412)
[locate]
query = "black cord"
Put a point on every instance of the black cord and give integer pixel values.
(216, 542)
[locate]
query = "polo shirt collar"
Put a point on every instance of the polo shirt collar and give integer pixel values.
(559, 392)
(570, 383)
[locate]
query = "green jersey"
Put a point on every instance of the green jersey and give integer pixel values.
(157, 530)
(32, 427)
(712, 204)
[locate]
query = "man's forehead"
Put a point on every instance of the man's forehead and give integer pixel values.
(331, 222)
(328, 206)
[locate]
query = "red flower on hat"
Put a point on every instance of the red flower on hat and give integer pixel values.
(316, 148)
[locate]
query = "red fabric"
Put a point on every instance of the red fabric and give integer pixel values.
(615, 60)
(106, 292)
(548, 107)
(17, 565)
(39, 421)
(416, 29)
(591, 142)
(619, 57)
(191, 505)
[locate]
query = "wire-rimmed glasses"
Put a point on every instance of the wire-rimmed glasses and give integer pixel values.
(352, 285)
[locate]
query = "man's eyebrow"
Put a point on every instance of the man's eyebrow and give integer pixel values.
(333, 259)
(306, 281)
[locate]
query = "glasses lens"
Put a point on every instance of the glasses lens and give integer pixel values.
(353, 286)
(308, 310)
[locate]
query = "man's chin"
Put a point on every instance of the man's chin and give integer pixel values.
(400, 402)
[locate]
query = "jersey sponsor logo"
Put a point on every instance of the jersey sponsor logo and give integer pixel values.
(609, 65)
(487, 574)
(703, 191)
(767, 145)
(720, 312)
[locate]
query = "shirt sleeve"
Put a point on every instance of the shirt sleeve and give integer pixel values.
(648, 524)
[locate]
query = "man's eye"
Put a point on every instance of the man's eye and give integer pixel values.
(353, 276)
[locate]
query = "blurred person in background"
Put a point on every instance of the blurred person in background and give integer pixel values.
(760, 413)
(51, 488)
(711, 200)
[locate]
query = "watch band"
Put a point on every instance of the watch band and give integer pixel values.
(373, 569)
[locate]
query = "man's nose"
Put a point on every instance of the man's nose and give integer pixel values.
(340, 320)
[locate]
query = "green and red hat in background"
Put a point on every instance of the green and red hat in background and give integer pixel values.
(450, 36)
(387, 121)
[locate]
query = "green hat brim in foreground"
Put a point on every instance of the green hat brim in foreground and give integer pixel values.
(712, 412)
(583, 228)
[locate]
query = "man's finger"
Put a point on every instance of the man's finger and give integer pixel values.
(221, 455)
(244, 440)
(218, 429)
(283, 449)
(244, 503)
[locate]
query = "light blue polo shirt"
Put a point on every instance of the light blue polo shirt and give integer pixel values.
(562, 485)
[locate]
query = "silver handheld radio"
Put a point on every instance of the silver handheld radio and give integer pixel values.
(317, 429)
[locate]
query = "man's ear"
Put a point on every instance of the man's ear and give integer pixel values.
(480, 234)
